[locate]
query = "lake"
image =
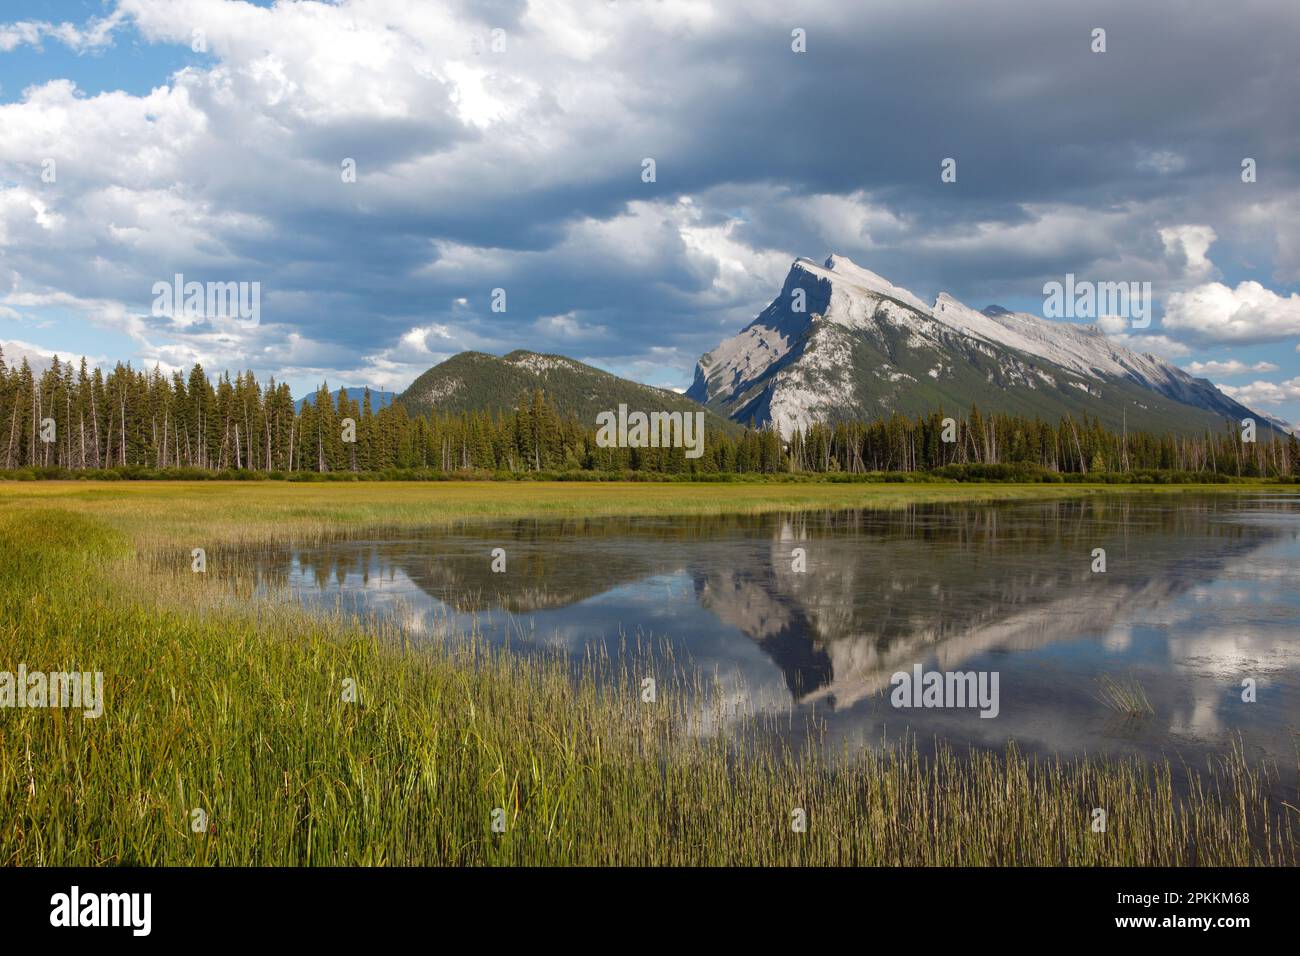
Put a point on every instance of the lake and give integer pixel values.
(1200, 593)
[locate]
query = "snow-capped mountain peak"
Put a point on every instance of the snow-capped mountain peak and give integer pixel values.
(842, 271)
(841, 341)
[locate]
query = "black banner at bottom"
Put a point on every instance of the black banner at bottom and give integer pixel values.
(335, 906)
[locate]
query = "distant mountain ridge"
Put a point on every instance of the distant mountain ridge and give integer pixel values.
(864, 348)
(378, 398)
(478, 381)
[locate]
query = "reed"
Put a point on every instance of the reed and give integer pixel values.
(1124, 697)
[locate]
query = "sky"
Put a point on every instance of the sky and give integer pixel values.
(379, 168)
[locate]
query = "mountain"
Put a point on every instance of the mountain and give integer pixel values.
(863, 348)
(378, 399)
(1281, 424)
(38, 360)
(477, 381)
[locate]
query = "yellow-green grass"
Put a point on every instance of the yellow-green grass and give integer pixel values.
(236, 708)
(165, 512)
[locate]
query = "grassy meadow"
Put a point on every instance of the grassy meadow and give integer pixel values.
(219, 702)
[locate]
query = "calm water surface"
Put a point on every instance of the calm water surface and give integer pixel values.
(1200, 592)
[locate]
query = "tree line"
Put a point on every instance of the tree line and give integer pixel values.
(80, 419)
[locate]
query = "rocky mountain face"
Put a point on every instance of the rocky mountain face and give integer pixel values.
(841, 342)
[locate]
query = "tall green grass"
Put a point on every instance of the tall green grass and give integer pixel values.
(236, 708)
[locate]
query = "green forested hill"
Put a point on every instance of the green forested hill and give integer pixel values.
(477, 381)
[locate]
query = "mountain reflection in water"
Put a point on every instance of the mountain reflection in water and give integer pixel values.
(1200, 592)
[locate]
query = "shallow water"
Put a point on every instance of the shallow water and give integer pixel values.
(1200, 593)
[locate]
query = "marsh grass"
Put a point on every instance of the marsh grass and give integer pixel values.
(1125, 697)
(220, 701)
(160, 515)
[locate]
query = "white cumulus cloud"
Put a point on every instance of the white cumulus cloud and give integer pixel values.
(1213, 312)
(1264, 393)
